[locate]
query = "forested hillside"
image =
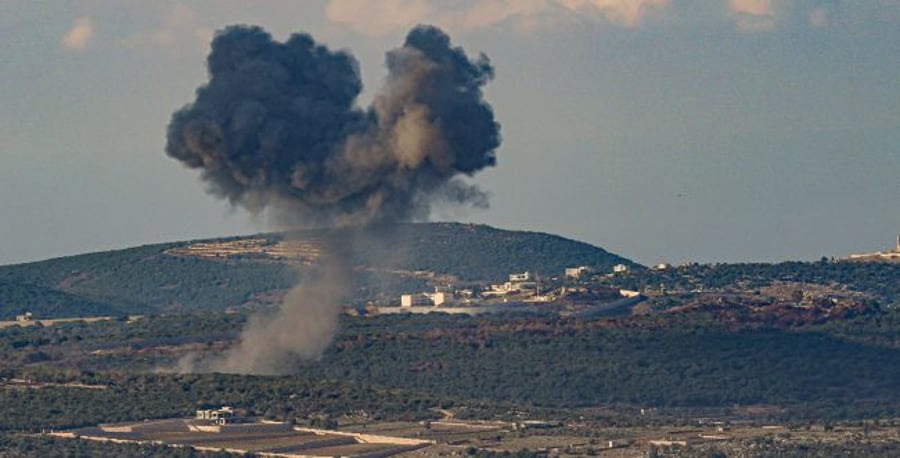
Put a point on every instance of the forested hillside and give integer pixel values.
(168, 277)
(397, 365)
(880, 279)
(20, 298)
(478, 252)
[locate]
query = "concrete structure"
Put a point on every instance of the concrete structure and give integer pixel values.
(620, 268)
(442, 298)
(577, 272)
(437, 298)
(26, 317)
(892, 255)
(220, 416)
(496, 290)
(510, 287)
(412, 300)
(518, 283)
(516, 278)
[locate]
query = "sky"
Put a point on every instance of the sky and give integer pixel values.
(660, 130)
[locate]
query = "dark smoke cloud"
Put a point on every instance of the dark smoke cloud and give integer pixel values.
(277, 126)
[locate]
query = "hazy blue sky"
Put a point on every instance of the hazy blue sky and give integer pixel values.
(662, 130)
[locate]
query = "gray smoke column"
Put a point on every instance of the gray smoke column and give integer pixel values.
(301, 328)
(277, 127)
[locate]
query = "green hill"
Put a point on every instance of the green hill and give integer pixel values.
(478, 252)
(220, 273)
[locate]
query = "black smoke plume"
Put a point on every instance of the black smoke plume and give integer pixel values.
(277, 127)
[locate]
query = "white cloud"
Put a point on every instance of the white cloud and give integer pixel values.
(628, 13)
(753, 15)
(179, 20)
(378, 18)
(487, 13)
(753, 7)
(79, 36)
(182, 26)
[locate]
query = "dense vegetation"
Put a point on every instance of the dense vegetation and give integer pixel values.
(394, 366)
(881, 279)
(140, 279)
(782, 448)
(19, 298)
(482, 253)
(686, 363)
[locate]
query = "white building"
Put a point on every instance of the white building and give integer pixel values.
(218, 416)
(577, 272)
(620, 268)
(411, 300)
(517, 283)
(513, 287)
(883, 255)
(442, 298)
(524, 276)
(421, 299)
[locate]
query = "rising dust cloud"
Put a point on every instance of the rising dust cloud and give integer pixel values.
(277, 128)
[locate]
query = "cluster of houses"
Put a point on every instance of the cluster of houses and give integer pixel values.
(523, 284)
(518, 283)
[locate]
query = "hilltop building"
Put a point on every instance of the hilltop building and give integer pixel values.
(890, 255)
(518, 283)
(577, 272)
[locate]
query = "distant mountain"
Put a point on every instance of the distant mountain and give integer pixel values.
(236, 271)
